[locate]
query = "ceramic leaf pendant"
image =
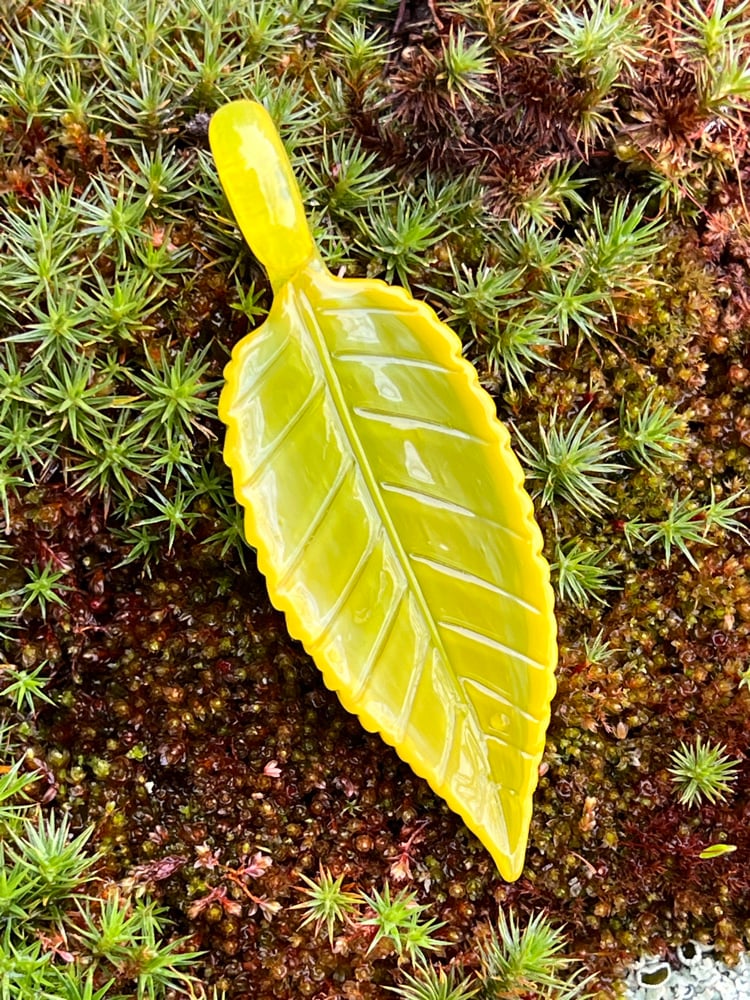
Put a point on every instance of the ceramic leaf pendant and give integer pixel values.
(387, 509)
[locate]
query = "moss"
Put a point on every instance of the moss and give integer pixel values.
(189, 726)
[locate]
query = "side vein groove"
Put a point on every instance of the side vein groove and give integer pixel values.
(267, 453)
(403, 421)
(312, 527)
(461, 574)
(486, 640)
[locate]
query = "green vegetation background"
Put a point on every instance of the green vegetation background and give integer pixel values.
(566, 185)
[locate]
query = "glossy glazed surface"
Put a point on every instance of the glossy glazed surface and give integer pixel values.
(388, 510)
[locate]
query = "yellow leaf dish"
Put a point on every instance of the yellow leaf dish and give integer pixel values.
(387, 509)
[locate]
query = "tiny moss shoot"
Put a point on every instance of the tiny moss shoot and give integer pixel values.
(702, 772)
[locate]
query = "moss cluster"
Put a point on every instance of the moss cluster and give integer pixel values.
(566, 184)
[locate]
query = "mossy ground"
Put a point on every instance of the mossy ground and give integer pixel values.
(188, 727)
